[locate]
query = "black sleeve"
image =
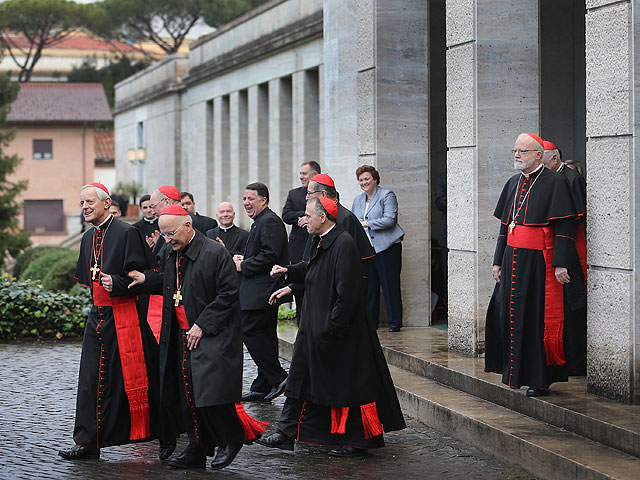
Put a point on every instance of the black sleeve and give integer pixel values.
(289, 214)
(501, 243)
(138, 257)
(564, 244)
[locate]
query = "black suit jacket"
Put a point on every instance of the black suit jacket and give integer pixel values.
(294, 207)
(266, 247)
(202, 223)
(236, 240)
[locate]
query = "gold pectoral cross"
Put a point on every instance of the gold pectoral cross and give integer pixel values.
(512, 225)
(177, 297)
(94, 271)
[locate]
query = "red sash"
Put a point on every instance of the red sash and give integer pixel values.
(181, 315)
(542, 238)
(154, 315)
(134, 368)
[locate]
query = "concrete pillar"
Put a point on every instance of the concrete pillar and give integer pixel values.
(613, 362)
(492, 96)
(195, 148)
(280, 141)
(238, 148)
(305, 119)
(221, 164)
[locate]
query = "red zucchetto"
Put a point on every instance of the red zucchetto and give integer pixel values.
(535, 137)
(174, 210)
(100, 186)
(330, 207)
(324, 179)
(548, 145)
(170, 191)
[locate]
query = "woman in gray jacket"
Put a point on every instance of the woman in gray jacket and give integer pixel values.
(377, 209)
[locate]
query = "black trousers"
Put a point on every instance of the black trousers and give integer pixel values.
(384, 271)
(259, 330)
(307, 422)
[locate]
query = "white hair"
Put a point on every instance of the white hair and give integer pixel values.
(102, 195)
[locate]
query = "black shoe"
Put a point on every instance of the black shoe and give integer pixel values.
(253, 396)
(190, 458)
(348, 452)
(276, 440)
(276, 391)
(78, 452)
(537, 392)
(225, 456)
(394, 328)
(166, 449)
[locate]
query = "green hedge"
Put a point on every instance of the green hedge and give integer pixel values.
(55, 269)
(28, 256)
(28, 310)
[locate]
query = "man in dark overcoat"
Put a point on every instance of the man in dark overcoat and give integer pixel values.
(233, 238)
(200, 341)
(339, 391)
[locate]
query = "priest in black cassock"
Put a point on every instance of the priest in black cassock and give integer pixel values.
(339, 391)
(149, 223)
(117, 384)
(200, 342)
(233, 238)
(575, 292)
(535, 247)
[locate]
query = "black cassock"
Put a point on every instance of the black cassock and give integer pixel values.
(234, 238)
(146, 228)
(525, 318)
(104, 407)
(337, 359)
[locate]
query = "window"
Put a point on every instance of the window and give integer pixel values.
(42, 149)
(42, 216)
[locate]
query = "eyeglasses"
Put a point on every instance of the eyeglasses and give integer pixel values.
(154, 205)
(171, 234)
(313, 191)
(522, 152)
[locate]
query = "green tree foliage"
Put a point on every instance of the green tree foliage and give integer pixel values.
(11, 240)
(108, 75)
(53, 265)
(28, 256)
(166, 22)
(42, 23)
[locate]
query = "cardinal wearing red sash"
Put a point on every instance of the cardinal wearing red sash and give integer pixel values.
(536, 245)
(116, 388)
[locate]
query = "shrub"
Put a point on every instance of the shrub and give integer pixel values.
(28, 310)
(285, 314)
(61, 277)
(26, 257)
(43, 265)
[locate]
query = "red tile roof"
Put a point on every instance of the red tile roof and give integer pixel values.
(60, 102)
(73, 43)
(104, 145)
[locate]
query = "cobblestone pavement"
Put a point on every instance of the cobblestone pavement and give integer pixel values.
(37, 403)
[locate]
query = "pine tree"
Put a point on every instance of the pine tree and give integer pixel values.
(12, 241)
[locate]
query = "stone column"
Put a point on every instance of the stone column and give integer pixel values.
(305, 119)
(238, 147)
(221, 164)
(492, 96)
(280, 141)
(613, 362)
(258, 117)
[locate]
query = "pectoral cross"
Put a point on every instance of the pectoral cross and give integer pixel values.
(512, 225)
(94, 271)
(177, 297)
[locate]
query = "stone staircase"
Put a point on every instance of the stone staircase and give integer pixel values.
(568, 435)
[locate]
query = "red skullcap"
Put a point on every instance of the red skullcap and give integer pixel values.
(329, 206)
(174, 210)
(101, 187)
(536, 138)
(324, 179)
(548, 146)
(170, 191)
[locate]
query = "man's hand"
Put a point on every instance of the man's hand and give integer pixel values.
(219, 240)
(238, 259)
(194, 335)
(562, 275)
(106, 281)
(279, 294)
(153, 239)
(302, 222)
(137, 277)
(496, 272)
(278, 271)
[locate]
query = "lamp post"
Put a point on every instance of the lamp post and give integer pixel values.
(137, 157)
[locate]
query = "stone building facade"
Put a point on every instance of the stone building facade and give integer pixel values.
(418, 89)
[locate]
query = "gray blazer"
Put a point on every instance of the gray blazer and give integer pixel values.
(382, 217)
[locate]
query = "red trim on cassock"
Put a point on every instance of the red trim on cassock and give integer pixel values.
(154, 315)
(542, 238)
(370, 420)
(339, 419)
(181, 315)
(251, 427)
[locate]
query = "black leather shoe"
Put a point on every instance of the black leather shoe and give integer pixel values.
(78, 452)
(537, 392)
(225, 456)
(348, 452)
(166, 449)
(276, 440)
(394, 329)
(190, 458)
(276, 391)
(253, 397)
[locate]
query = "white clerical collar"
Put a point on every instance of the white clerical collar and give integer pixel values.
(103, 223)
(226, 229)
(149, 220)
(560, 167)
(328, 230)
(531, 173)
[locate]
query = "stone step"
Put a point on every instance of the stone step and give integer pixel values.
(423, 351)
(544, 450)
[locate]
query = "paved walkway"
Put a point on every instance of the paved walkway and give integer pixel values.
(37, 403)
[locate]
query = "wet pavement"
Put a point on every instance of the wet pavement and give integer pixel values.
(37, 403)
